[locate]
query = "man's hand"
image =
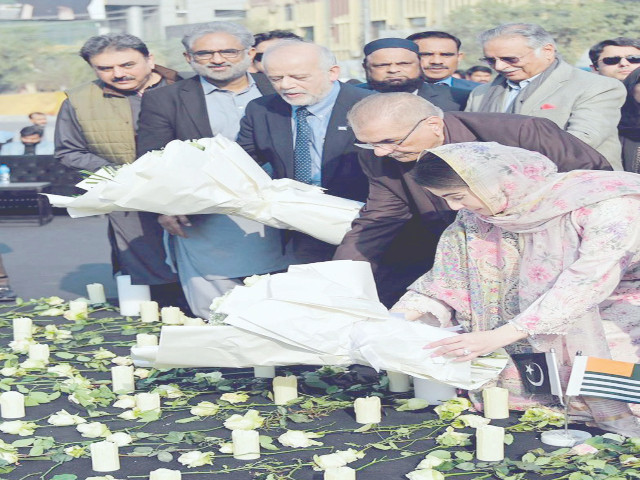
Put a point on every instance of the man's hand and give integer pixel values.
(173, 224)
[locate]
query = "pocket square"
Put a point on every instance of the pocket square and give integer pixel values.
(548, 106)
(343, 128)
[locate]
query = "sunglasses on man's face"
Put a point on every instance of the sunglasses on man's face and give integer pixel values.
(617, 60)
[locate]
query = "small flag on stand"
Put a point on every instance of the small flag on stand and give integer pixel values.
(539, 372)
(601, 377)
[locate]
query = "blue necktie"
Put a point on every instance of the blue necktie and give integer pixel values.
(301, 151)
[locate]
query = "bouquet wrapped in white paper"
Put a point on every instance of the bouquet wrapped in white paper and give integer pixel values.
(212, 175)
(317, 314)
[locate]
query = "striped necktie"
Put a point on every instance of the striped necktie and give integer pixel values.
(301, 151)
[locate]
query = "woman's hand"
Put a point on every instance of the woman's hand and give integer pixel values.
(467, 346)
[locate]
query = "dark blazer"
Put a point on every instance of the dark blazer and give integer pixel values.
(460, 90)
(266, 134)
(395, 198)
(440, 95)
(178, 112)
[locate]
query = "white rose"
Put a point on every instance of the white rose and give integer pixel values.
(141, 372)
(125, 401)
(62, 370)
(124, 361)
(21, 346)
(249, 421)
(473, 421)
(52, 312)
(226, 447)
(18, 427)
(74, 315)
(104, 477)
(298, 439)
(76, 451)
(103, 354)
(30, 363)
(234, 397)
(196, 459)
(204, 409)
(426, 474)
(9, 371)
(51, 332)
(120, 438)
(430, 462)
(212, 377)
(54, 301)
(128, 415)
(93, 430)
(169, 391)
(63, 418)
(337, 459)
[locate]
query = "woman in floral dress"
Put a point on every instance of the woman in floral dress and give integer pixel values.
(536, 260)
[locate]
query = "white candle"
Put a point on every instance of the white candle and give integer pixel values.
(146, 340)
(433, 392)
(79, 306)
(130, 296)
(171, 316)
(149, 312)
(340, 473)
(122, 379)
(95, 291)
(285, 389)
(490, 443)
(246, 444)
(104, 457)
(22, 328)
(12, 405)
(39, 352)
(148, 401)
(398, 382)
(368, 410)
(496, 402)
(165, 474)
(264, 372)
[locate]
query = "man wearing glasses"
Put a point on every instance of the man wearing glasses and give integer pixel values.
(399, 227)
(615, 58)
(534, 81)
(211, 253)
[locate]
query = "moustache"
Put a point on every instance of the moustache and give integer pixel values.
(123, 79)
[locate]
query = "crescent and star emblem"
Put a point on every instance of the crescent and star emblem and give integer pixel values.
(529, 368)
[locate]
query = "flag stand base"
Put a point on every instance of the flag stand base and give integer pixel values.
(564, 438)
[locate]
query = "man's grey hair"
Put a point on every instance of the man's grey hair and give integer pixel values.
(112, 41)
(536, 36)
(242, 34)
(326, 58)
(396, 107)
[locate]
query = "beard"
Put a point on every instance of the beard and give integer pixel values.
(408, 85)
(235, 71)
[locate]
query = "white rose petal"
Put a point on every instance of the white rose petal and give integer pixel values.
(226, 447)
(103, 354)
(93, 430)
(128, 415)
(125, 401)
(18, 427)
(9, 371)
(234, 397)
(298, 439)
(204, 409)
(21, 346)
(430, 462)
(75, 451)
(63, 418)
(426, 474)
(142, 372)
(249, 421)
(62, 370)
(124, 361)
(196, 459)
(474, 421)
(337, 459)
(120, 438)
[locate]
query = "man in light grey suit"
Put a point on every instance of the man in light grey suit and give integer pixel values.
(534, 81)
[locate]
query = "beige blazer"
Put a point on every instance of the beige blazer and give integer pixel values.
(582, 103)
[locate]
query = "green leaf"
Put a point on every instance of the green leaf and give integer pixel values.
(65, 476)
(364, 428)
(508, 438)
(299, 418)
(381, 446)
(443, 454)
(464, 456)
(65, 355)
(164, 456)
(23, 442)
(174, 437)
(529, 458)
(187, 420)
(266, 442)
(143, 451)
(466, 466)
(36, 451)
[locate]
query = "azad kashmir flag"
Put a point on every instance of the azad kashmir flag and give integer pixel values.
(539, 372)
(601, 377)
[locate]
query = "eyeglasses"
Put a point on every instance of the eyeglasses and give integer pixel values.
(227, 53)
(617, 60)
(390, 145)
(510, 60)
(258, 57)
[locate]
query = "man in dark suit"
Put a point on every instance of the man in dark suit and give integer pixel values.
(393, 65)
(439, 56)
(302, 132)
(395, 129)
(211, 253)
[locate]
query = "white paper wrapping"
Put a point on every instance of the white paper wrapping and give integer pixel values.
(220, 178)
(317, 314)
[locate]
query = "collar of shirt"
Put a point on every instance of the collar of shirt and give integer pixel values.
(209, 87)
(109, 91)
(521, 84)
(324, 106)
(445, 81)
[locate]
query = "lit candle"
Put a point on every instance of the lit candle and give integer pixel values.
(490, 443)
(285, 389)
(433, 392)
(165, 474)
(39, 352)
(340, 473)
(264, 372)
(104, 457)
(398, 382)
(22, 328)
(171, 316)
(246, 444)
(12, 405)
(79, 306)
(146, 340)
(148, 401)
(149, 312)
(496, 402)
(122, 379)
(192, 322)
(130, 296)
(368, 410)
(95, 291)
